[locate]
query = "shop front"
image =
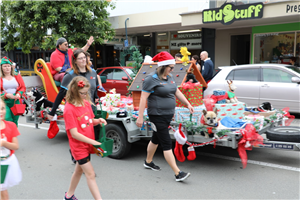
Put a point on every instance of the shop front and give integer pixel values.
(276, 43)
(250, 33)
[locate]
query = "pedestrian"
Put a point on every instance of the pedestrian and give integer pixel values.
(196, 59)
(12, 88)
(160, 90)
(88, 56)
(8, 145)
(208, 66)
(61, 58)
(293, 61)
(178, 56)
(79, 122)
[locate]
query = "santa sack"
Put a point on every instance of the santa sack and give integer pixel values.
(18, 109)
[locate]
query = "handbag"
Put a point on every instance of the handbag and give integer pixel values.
(106, 147)
(101, 113)
(18, 109)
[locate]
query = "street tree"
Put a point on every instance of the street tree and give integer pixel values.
(27, 23)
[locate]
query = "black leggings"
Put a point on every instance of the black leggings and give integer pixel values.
(161, 135)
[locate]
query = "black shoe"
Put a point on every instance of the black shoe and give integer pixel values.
(182, 176)
(151, 166)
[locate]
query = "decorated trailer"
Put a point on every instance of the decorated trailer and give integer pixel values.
(258, 131)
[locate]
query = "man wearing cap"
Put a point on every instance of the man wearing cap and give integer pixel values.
(61, 59)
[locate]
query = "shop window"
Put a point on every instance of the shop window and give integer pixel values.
(275, 75)
(244, 75)
(274, 47)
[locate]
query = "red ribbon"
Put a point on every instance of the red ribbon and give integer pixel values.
(250, 138)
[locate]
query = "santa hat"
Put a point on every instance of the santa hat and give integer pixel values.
(180, 141)
(164, 58)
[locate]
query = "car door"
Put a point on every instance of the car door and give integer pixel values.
(278, 89)
(109, 79)
(247, 82)
(120, 84)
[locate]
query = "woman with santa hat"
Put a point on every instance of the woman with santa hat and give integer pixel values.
(160, 90)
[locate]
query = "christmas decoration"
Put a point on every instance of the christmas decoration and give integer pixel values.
(180, 141)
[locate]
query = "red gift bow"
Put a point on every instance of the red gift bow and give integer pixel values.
(211, 100)
(250, 138)
(189, 85)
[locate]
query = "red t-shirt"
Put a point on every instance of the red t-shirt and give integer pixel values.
(57, 59)
(10, 131)
(80, 118)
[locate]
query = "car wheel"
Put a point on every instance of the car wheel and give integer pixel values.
(121, 146)
(284, 133)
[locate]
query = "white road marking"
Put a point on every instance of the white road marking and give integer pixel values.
(252, 162)
(220, 156)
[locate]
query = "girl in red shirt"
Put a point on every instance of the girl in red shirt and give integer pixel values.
(8, 145)
(79, 122)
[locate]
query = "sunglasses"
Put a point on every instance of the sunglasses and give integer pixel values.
(171, 68)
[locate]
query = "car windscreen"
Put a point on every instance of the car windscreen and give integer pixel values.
(293, 68)
(129, 71)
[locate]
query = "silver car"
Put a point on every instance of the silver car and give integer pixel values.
(278, 84)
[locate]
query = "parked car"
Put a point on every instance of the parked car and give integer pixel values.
(278, 84)
(116, 77)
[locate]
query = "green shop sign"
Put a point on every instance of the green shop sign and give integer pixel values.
(228, 13)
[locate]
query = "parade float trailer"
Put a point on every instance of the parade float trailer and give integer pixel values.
(125, 132)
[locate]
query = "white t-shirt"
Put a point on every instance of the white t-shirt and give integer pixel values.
(10, 86)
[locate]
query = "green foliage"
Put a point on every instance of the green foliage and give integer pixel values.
(25, 23)
(138, 59)
(129, 64)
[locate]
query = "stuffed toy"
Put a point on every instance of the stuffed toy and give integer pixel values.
(231, 98)
(185, 53)
(190, 76)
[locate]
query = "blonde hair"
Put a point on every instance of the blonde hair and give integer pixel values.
(74, 58)
(11, 71)
(73, 95)
(161, 71)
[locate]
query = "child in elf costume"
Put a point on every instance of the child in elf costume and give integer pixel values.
(79, 122)
(8, 145)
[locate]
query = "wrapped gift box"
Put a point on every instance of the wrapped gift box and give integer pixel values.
(257, 119)
(194, 96)
(183, 114)
(112, 99)
(233, 110)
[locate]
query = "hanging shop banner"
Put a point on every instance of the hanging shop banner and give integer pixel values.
(190, 44)
(228, 13)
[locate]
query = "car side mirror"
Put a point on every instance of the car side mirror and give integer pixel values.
(296, 80)
(125, 78)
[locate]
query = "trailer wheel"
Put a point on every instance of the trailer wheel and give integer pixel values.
(121, 146)
(284, 133)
